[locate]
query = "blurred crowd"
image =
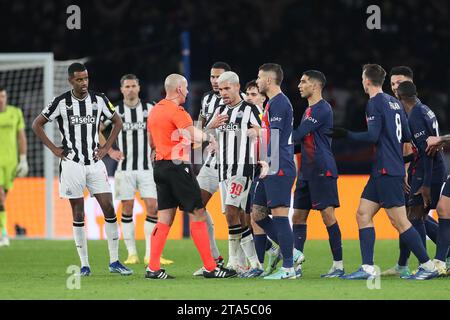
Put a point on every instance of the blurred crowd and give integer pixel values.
(142, 37)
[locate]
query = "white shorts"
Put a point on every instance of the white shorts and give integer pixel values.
(126, 183)
(75, 177)
(234, 192)
(208, 179)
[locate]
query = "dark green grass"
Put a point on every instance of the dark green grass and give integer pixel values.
(36, 269)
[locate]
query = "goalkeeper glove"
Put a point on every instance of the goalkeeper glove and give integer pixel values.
(22, 167)
(338, 132)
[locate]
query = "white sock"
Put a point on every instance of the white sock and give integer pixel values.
(233, 247)
(338, 265)
(248, 246)
(79, 236)
(428, 266)
(112, 235)
(128, 235)
(212, 240)
(149, 225)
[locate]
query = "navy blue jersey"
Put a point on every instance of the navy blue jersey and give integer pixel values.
(423, 123)
(277, 120)
(317, 157)
(387, 129)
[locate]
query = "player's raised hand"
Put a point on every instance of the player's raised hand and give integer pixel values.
(338, 133)
(434, 144)
(264, 168)
(253, 132)
(115, 154)
(218, 121)
(100, 153)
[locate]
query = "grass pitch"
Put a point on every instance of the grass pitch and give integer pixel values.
(37, 269)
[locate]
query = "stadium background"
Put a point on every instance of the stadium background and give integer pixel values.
(143, 37)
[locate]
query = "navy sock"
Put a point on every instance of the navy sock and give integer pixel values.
(404, 254)
(260, 246)
(299, 236)
(412, 239)
(431, 227)
(269, 228)
(268, 243)
(419, 225)
(367, 244)
(286, 240)
(335, 239)
(443, 239)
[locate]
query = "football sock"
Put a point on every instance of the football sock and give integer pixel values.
(112, 235)
(269, 228)
(419, 225)
(299, 236)
(3, 222)
(443, 239)
(268, 243)
(286, 240)
(128, 234)
(248, 246)
(149, 225)
(404, 254)
(334, 234)
(234, 243)
(412, 239)
(212, 238)
(157, 242)
(367, 244)
(199, 233)
(431, 226)
(261, 242)
(79, 236)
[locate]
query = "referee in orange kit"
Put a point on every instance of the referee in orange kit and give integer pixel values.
(170, 129)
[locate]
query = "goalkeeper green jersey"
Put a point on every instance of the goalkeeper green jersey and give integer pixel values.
(11, 121)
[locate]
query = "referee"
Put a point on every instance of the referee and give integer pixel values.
(169, 129)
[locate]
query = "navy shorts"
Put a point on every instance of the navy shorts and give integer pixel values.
(273, 191)
(317, 194)
(417, 200)
(446, 190)
(385, 190)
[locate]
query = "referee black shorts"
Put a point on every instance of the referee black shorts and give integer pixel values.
(176, 186)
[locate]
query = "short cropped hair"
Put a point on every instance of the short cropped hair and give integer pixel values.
(402, 71)
(316, 75)
(276, 69)
(407, 89)
(2, 88)
(129, 76)
(75, 67)
(375, 73)
(229, 76)
(221, 65)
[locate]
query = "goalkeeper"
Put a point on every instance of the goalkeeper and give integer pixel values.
(12, 134)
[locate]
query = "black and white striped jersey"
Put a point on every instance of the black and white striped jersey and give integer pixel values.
(133, 139)
(209, 102)
(78, 122)
(237, 154)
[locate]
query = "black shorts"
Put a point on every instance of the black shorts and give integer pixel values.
(176, 186)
